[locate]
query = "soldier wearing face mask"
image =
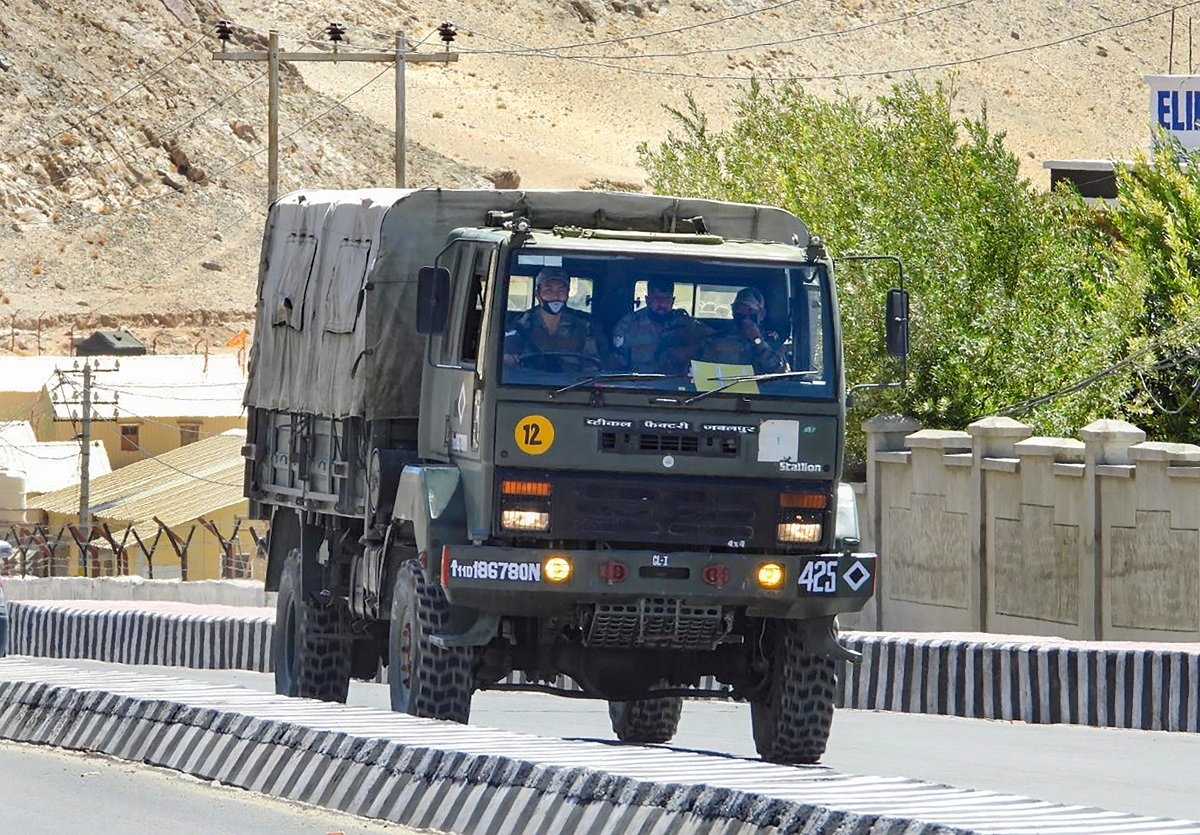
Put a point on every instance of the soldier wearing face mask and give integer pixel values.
(549, 326)
(743, 342)
(659, 338)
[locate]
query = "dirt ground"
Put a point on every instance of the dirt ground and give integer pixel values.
(132, 165)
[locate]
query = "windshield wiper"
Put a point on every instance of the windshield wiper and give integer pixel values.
(618, 376)
(749, 378)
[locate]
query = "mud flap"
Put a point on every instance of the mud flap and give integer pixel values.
(820, 636)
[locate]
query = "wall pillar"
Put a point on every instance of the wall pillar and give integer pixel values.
(992, 438)
(885, 433)
(1106, 452)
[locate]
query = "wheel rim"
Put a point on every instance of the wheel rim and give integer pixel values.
(402, 656)
(291, 631)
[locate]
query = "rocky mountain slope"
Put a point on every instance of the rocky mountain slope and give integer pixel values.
(133, 166)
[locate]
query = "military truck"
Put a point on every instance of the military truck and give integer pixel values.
(471, 520)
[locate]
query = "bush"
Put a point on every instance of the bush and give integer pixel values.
(1015, 293)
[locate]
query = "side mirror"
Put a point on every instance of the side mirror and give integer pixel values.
(433, 299)
(897, 323)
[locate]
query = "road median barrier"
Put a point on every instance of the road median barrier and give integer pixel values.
(1034, 680)
(463, 779)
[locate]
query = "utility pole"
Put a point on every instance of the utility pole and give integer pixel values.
(336, 32)
(85, 454)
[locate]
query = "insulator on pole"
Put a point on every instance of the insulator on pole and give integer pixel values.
(224, 32)
(336, 32)
(447, 32)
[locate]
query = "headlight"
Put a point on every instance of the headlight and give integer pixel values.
(525, 520)
(802, 516)
(525, 505)
(805, 532)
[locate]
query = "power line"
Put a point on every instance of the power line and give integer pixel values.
(535, 52)
(120, 156)
(687, 28)
(140, 82)
(252, 155)
(831, 33)
(24, 451)
(122, 413)
(1080, 385)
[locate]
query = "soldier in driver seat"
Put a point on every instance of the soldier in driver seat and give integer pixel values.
(551, 328)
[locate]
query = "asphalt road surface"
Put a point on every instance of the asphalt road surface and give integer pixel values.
(52, 792)
(1144, 772)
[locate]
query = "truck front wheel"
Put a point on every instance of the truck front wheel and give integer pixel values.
(793, 714)
(424, 679)
(646, 720)
(312, 656)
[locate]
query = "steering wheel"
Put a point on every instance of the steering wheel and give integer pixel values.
(557, 360)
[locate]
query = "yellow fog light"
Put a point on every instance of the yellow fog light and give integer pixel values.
(556, 569)
(799, 532)
(770, 575)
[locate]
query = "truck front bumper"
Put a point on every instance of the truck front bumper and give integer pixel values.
(523, 581)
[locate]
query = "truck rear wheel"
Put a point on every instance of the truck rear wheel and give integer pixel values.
(792, 717)
(424, 679)
(646, 720)
(312, 656)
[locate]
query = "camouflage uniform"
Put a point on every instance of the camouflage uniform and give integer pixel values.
(731, 347)
(528, 335)
(641, 343)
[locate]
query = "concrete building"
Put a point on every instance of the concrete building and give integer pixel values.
(22, 383)
(29, 468)
(144, 406)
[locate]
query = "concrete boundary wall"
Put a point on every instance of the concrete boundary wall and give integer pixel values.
(459, 779)
(1040, 681)
(994, 530)
(200, 592)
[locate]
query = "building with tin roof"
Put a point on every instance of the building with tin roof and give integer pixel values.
(177, 488)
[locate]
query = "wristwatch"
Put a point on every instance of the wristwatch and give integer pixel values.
(758, 340)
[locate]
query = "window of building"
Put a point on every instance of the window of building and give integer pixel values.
(189, 433)
(129, 438)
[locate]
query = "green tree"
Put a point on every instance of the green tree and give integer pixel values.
(1157, 232)
(1014, 292)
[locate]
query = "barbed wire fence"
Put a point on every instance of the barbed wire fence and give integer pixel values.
(42, 550)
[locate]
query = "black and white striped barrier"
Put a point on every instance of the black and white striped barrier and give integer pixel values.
(137, 632)
(1034, 680)
(460, 779)
(1045, 681)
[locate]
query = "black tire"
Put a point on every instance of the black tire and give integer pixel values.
(426, 680)
(793, 716)
(312, 656)
(646, 720)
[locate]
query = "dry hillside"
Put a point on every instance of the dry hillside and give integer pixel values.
(132, 166)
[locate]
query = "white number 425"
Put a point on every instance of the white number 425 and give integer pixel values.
(819, 577)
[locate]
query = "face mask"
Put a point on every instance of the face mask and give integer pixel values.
(553, 308)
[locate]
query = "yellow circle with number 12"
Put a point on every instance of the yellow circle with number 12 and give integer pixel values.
(534, 434)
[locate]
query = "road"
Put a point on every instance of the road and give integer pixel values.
(1144, 772)
(53, 792)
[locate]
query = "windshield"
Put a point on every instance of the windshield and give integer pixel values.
(669, 324)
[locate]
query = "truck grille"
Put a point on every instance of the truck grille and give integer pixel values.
(660, 622)
(698, 513)
(674, 444)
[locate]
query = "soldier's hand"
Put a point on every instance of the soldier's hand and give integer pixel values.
(750, 329)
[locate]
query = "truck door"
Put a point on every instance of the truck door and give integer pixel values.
(460, 364)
